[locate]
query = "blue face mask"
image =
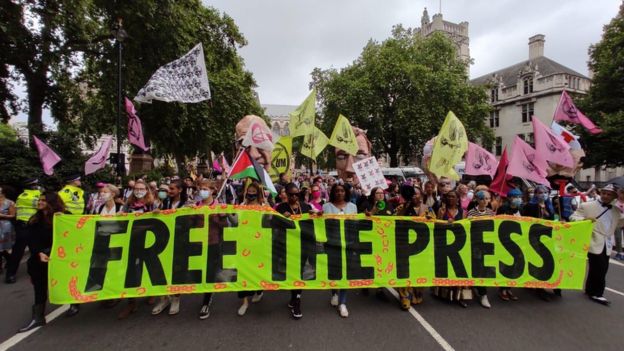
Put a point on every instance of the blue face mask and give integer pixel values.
(162, 195)
(516, 202)
(543, 197)
(204, 194)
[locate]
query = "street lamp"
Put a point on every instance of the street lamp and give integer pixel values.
(120, 35)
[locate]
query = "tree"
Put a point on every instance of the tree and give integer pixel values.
(605, 101)
(40, 43)
(400, 90)
(159, 33)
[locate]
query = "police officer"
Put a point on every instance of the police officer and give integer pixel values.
(26, 206)
(72, 195)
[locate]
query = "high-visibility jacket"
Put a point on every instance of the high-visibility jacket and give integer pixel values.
(73, 197)
(26, 204)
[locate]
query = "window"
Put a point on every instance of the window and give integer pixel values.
(494, 94)
(528, 85)
(494, 120)
(527, 112)
(530, 139)
(521, 136)
(498, 148)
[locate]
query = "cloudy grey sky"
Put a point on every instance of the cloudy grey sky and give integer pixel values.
(288, 38)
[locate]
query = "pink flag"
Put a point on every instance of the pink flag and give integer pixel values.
(499, 183)
(135, 131)
(216, 166)
(224, 163)
(566, 111)
(524, 163)
(98, 160)
(47, 157)
(479, 161)
(549, 146)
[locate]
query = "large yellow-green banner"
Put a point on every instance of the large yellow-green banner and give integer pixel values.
(233, 248)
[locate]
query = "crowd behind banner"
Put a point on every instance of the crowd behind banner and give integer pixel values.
(28, 222)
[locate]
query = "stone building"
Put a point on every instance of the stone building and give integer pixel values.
(458, 33)
(279, 116)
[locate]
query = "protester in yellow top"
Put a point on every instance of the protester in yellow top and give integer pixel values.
(72, 195)
(26, 207)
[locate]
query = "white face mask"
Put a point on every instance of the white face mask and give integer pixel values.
(470, 195)
(204, 194)
(140, 194)
(105, 196)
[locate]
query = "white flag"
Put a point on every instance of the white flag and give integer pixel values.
(183, 80)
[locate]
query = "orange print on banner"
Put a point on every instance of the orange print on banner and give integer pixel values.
(392, 282)
(421, 280)
(65, 234)
(79, 249)
(73, 291)
(299, 283)
(220, 286)
(81, 222)
(60, 252)
(73, 264)
(244, 283)
(269, 286)
(332, 284)
(261, 265)
(258, 235)
(53, 282)
(245, 222)
(586, 247)
(246, 252)
(141, 291)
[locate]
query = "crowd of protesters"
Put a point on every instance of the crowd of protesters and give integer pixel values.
(27, 222)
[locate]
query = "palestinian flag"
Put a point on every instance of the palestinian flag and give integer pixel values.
(243, 167)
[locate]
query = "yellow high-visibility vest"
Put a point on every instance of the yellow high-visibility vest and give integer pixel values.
(73, 197)
(26, 204)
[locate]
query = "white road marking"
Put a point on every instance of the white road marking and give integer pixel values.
(12, 341)
(616, 262)
(436, 336)
(615, 291)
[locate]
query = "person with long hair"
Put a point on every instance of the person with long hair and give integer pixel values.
(254, 196)
(140, 200)
(294, 207)
(339, 203)
(40, 244)
(316, 199)
(376, 204)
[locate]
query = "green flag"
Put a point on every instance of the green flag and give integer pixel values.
(302, 119)
(343, 136)
(314, 143)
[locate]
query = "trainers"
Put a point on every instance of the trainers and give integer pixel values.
(175, 305)
(161, 305)
(334, 300)
(257, 297)
(485, 302)
(405, 303)
(601, 300)
(243, 309)
(295, 309)
(619, 256)
(204, 312)
(344, 312)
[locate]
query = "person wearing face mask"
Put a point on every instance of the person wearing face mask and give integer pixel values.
(207, 192)
(176, 198)
(482, 210)
(511, 207)
(316, 199)
(606, 218)
(253, 197)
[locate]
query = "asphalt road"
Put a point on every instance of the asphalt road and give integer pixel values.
(569, 323)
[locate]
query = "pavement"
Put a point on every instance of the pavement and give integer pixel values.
(568, 323)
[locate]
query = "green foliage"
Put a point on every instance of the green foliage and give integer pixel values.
(400, 91)
(159, 33)
(6, 132)
(605, 102)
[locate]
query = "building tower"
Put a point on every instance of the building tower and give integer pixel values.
(458, 33)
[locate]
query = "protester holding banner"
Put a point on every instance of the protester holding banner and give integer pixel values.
(40, 244)
(540, 205)
(338, 204)
(481, 210)
(376, 204)
(176, 198)
(207, 191)
(139, 201)
(294, 207)
(511, 207)
(606, 218)
(316, 200)
(108, 194)
(254, 196)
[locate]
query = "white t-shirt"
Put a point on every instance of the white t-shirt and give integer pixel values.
(329, 208)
